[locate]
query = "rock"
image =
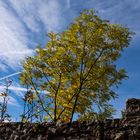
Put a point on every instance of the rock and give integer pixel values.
(127, 128)
(52, 130)
(133, 107)
(119, 136)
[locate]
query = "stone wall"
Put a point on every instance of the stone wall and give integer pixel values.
(127, 128)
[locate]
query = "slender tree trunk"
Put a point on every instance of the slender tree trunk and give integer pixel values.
(75, 103)
(55, 102)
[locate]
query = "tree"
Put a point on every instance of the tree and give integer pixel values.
(102, 114)
(77, 67)
(32, 110)
(3, 105)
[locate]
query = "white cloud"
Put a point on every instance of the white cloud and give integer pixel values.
(18, 90)
(50, 14)
(14, 88)
(19, 20)
(27, 12)
(34, 12)
(10, 75)
(68, 4)
(13, 39)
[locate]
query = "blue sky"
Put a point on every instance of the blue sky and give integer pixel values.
(24, 24)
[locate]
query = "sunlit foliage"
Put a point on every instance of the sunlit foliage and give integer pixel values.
(76, 68)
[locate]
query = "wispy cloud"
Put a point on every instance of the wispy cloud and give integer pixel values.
(68, 4)
(14, 88)
(12, 38)
(50, 15)
(26, 10)
(39, 12)
(124, 12)
(10, 75)
(20, 22)
(18, 90)
(11, 101)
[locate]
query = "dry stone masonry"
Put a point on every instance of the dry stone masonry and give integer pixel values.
(127, 128)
